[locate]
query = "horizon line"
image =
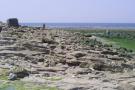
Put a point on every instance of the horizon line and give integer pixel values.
(86, 22)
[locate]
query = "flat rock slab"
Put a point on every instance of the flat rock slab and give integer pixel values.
(25, 52)
(51, 69)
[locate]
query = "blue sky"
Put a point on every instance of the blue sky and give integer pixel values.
(98, 11)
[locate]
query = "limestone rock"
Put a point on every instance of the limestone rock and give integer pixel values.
(108, 67)
(78, 54)
(49, 41)
(19, 72)
(126, 86)
(73, 62)
(51, 69)
(115, 57)
(78, 88)
(109, 52)
(88, 35)
(82, 71)
(12, 76)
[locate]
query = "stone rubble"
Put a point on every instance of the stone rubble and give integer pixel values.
(48, 54)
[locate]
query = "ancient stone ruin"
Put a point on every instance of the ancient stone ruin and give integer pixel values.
(12, 22)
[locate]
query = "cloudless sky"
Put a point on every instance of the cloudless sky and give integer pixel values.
(97, 11)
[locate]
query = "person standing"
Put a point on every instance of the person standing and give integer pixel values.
(0, 29)
(44, 26)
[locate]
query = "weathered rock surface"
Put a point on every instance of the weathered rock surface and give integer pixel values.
(78, 54)
(69, 61)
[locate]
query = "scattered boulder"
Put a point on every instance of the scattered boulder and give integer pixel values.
(35, 47)
(18, 72)
(78, 54)
(84, 65)
(52, 47)
(63, 47)
(41, 60)
(73, 62)
(88, 35)
(12, 76)
(78, 88)
(127, 66)
(109, 52)
(51, 69)
(116, 57)
(108, 67)
(49, 41)
(82, 71)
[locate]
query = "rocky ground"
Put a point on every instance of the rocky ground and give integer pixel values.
(66, 60)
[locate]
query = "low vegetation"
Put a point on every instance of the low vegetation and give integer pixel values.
(17, 85)
(121, 38)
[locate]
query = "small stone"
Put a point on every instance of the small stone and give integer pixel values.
(41, 60)
(49, 41)
(73, 62)
(52, 47)
(12, 76)
(78, 54)
(19, 72)
(109, 52)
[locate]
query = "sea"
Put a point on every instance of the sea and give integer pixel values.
(82, 25)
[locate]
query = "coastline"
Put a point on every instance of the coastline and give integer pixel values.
(83, 26)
